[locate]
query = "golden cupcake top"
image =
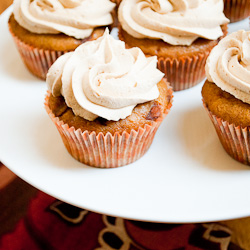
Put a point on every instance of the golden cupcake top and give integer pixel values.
(178, 22)
(103, 79)
(76, 18)
(228, 65)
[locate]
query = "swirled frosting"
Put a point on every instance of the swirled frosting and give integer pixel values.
(177, 22)
(75, 18)
(102, 78)
(228, 65)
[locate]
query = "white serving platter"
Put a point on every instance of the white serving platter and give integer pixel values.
(186, 176)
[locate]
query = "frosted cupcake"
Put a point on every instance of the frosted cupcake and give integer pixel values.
(43, 30)
(226, 93)
(180, 33)
(107, 102)
(236, 10)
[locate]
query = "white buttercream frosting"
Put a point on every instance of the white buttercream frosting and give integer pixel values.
(76, 18)
(228, 65)
(102, 78)
(177, 22)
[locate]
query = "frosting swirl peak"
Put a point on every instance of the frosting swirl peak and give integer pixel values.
(177, 22)
(228, 65)
(102, 78)
(75, 18)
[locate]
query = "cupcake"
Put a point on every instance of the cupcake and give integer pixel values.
(180, 33)
(236, 10)
(107, 102)
(226, 93)
(43, 30)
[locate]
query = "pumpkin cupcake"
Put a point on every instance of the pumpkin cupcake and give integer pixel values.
(180, 33)
(43, 30)
(236, 10)
(107, 102)
(226, 93)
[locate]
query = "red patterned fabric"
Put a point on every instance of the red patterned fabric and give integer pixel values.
(52, 224)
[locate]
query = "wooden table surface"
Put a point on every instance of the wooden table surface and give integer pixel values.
(4, 4)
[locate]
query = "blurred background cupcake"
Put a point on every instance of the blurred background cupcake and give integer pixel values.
(107, 102)
(226, 93)
(43, 30)
(117, 2)
(236, 10)
(180, 33)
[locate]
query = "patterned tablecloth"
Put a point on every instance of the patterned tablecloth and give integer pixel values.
(32, 220)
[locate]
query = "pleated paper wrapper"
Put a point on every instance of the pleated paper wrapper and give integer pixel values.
(236, 10)
(38, 61)
(185, 72)
(182, 72)
(104, 150)
(234, 139)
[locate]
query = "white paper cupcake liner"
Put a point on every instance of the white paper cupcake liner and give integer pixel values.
(104, 150)
(234, 139)
(38, 61)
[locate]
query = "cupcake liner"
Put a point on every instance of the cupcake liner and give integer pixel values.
(38, 61)
(236, 10)
(185, 72)
(234, 139)
(104, 150)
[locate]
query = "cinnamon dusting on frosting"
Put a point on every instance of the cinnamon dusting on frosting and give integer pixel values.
(103, 79)
(228, 65)
(76, 18)
(178, 22)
